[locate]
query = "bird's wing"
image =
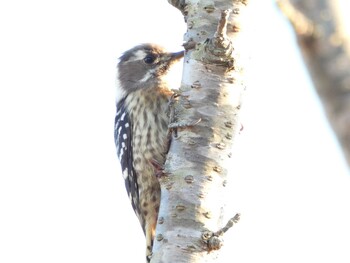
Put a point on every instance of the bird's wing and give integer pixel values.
(123, 141)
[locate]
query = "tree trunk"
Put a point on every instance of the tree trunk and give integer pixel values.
(205, 122)
(325, 46)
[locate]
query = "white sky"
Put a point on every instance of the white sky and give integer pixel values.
(62, 197)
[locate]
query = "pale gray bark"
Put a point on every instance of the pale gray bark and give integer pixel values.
(206, 117)
(325, 46)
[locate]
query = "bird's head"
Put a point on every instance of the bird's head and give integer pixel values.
(142, 67)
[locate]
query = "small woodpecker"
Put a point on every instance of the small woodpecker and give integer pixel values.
(141, 128)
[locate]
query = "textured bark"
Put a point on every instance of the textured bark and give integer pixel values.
(206, 116)
(325, 46)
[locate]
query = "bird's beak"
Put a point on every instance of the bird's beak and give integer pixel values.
(177, 55)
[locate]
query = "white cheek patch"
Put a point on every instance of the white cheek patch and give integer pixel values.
(148, 75)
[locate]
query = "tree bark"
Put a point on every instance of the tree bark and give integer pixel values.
(325, 46)
(205, 123)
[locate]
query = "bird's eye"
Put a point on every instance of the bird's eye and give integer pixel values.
(149, 59)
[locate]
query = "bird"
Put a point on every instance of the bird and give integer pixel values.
(141, 127)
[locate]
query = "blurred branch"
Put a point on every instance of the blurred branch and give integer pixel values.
(326, 50)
